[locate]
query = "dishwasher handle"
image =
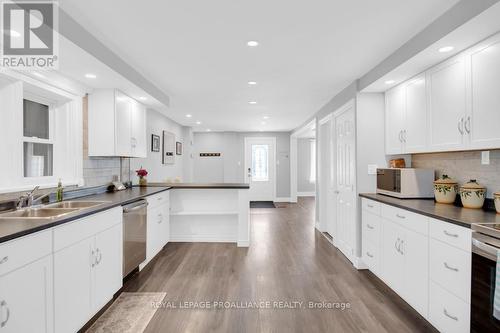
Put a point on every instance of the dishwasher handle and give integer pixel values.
(135, 206)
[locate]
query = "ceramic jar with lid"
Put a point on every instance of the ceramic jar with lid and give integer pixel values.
(497, 201)
(472, 194)
(445, 190)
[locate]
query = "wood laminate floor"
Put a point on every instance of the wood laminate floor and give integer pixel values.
(287, 261)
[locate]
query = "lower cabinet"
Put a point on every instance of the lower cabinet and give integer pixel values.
(26, 298)
(158, 225)
(86, 273)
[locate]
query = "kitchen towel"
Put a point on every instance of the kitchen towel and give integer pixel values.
(496, 300)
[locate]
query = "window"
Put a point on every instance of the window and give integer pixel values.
(312, 165)
(260, 163)
(37, 144)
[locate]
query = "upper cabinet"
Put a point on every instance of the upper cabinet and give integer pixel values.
(116, 125)
(452, 106)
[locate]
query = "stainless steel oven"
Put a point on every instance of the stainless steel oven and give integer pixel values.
(134, 235)
(485, 245)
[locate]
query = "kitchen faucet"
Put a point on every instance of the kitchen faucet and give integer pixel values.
(27, 200)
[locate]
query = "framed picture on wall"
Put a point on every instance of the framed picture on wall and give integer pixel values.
(155, 143)
(178, 148)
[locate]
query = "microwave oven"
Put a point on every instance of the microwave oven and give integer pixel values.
(406, 183)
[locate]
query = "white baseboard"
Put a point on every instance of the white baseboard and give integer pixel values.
(306, 194)
(283, 199)
(243, 243)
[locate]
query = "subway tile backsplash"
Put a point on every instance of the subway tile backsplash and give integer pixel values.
(463, 166)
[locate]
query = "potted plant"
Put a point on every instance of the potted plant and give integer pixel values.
(142, 173)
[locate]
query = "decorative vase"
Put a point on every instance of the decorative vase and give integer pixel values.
(472, 194)
(445, 190)
(143, 181)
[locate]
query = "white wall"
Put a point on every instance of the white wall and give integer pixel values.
(156, 124)
(304, 184)
(230, 166)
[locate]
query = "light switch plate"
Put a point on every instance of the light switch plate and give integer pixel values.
(372, 169)
(485, 157)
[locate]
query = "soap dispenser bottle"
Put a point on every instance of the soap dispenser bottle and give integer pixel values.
(59, 192)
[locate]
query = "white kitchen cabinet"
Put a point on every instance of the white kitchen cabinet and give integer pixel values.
(116, 125)
(483, 121)
(392, 259)
(415, 122)
(158, 225)
(394, 120)
(446, 94)
(448, 313)
(26, 298)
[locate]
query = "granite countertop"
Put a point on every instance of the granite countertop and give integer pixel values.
(14, 228)
(464, 217)
(204, 185)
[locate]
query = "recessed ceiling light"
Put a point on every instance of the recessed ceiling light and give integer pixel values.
(90, 76)
(142, 98)
(446, 49)
(38, 75)
(14, 33)
(188, 116)
(389, 82)
(252, 43)
(252, 102)
(252, 83)
(198, 123)
(265, 117)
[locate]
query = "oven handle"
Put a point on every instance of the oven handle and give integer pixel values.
(491, 250)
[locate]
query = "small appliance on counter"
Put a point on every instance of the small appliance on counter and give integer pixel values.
(445, 190)
(472, 194)
(406, 183)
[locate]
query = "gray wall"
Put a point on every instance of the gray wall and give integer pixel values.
(304, 166)
(229, 167)
(463, 166)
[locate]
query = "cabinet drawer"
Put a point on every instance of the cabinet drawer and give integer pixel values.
(158, 199)
(451, 268)
(451, 234)
(447, 312)
(416, 222)
(371, 255)
(371, 206)
(371, 227)
(22, 251)
(73, 232)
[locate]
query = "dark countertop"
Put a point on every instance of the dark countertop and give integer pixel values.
(203, 185)
(14, 228)
(464, 217)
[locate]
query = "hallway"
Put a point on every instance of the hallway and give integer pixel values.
(288, 261)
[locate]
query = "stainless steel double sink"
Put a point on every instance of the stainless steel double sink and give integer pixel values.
(50, 211)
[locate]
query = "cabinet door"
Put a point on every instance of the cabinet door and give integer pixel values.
(415, 130)
(139, 142)
(484, 119)
(446, 94)
(392, 268)
(394, 119)
(108, 268)
(123, 123)
(165, 226)
(26, 296)
(72, 285)
(416, 271)
(154, 236)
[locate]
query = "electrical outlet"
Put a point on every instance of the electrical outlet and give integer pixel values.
(485, 157)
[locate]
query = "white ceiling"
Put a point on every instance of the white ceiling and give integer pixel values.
(480, 27)
(196, 51)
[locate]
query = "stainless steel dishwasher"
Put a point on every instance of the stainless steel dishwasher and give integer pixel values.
(134, 235)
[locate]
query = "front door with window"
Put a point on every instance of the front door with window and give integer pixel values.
(260, 168)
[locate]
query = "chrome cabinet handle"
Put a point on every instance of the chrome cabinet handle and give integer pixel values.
(467, 125)
(404, 136)
(369, 255)
(401, 216)
(99, 257)
(93, 259)
(370, 206)
(449, 316)
(400, 136)
(396, 245)
(401, 247)
(3, 304)
(461, 126)
(450, 268)
(160, 218)
(4, 260)
(449, 234)
(370, 226)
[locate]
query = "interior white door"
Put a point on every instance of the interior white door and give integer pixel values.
(325, 181)
(260, 168)
(345, 177)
